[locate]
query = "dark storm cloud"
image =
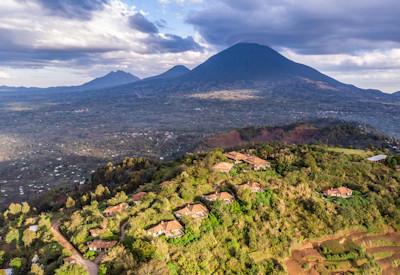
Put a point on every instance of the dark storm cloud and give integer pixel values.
(17, 49)
(309, 26)
(43, 57)
(161, 23)
(171, 43)
(161, 43)
(81, 9)
(140, 23)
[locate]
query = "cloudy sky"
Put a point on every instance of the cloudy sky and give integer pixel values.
(64, 42)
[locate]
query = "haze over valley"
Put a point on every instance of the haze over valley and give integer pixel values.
(58, 136)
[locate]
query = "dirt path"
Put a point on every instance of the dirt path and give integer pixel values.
(293, 267)
(122, 230)
(91, 267)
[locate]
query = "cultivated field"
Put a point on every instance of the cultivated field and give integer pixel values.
(371, 253)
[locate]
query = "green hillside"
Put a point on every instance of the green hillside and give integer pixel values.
(253, 234)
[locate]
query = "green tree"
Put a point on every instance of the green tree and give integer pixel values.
(28, 237)
(36, 270)
(70, 202)
(80, 237)
(392, 161)
(2, 256)
(12, 235)
(101, 191)
(309, 161)
(142, 250)
(118, 198)
(84, 199)
(121, 260)
(17, 263)
(102, 269)
(265, 198)
(25, 208)
(15, 208)
(71, 269)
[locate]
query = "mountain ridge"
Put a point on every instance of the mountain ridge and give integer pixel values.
(247, 63)
(175, 71)
(243, 62)
(332, 132)
(250, 61)
(111, 79)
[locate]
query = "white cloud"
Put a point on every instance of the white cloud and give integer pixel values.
(377, 69)
(82, 48)
(375, 59)
(108, 27)
(44, 77)
(4, 75)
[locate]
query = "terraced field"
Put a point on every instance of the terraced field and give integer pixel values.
(385, 249)
(379, 254)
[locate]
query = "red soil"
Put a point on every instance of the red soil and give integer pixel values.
(303, 133)
(306, 254)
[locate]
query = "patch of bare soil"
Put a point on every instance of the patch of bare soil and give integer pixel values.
(304, 261)
(90, 266)
(305, 258)
(226, 140)
(228, 95)
(303, 133)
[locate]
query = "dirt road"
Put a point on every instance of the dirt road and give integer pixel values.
(91, 267)
(122, 231)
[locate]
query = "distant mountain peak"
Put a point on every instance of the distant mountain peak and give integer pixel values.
(113, 78)
(178, 68)
(251, 61)
(174, 72)
(249, 45)
(118, 72)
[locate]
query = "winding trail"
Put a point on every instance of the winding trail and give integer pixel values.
(122, 231)
(91, 267)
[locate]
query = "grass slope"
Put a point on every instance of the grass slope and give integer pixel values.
(254, 234)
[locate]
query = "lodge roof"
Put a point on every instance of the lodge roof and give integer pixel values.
(253, 186)
(377, 158)
(253, 160)
(236, 155)
(138, 196)
(96, 231)
(219, 196)
(115, 208)
(340, 191)
(100, 244)
(192, 209)
(223, 167)
(33, 228)
(166, 226)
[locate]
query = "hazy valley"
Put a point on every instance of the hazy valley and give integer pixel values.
(58, 136)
